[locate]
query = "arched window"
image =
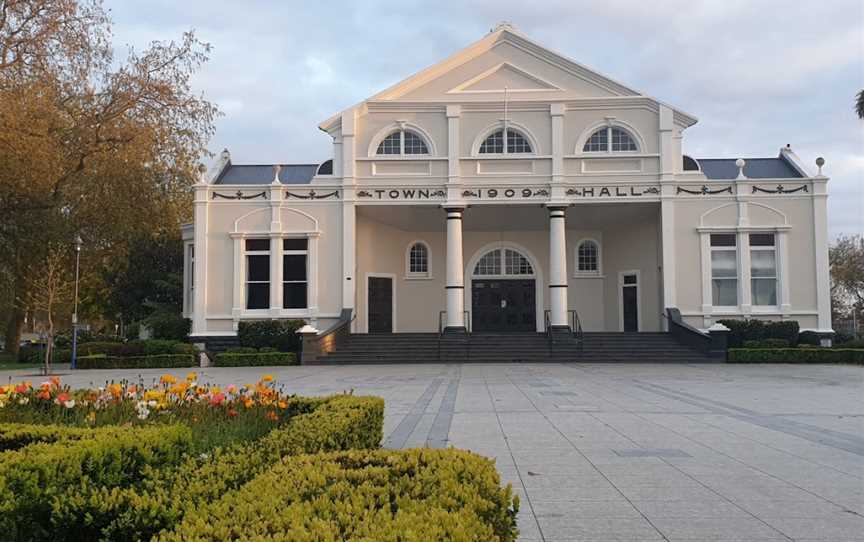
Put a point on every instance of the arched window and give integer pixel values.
(588, 257)
(516, 143)
(514, 263)
(418, 260)
(402, 142)
(610, 139)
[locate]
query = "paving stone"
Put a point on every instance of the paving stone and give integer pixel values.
(704, 452)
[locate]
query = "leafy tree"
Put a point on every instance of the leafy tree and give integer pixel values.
(847, 275)
(90, 144)
(150, 280)
(859, 105)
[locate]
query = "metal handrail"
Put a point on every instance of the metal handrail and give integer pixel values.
(574, 323)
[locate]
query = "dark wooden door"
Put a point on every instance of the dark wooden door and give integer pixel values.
(630, 303)
(380, 305)
(503, 305)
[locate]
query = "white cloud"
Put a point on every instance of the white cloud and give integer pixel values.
(757, 74)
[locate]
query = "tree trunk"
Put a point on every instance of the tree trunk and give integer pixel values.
(13, 330)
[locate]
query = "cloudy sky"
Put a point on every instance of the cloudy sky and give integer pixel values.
(757, 73)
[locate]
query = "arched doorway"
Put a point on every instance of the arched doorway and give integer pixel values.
(504, 292)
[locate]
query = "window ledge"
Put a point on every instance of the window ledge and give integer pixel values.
(418, 277)
(589, 276)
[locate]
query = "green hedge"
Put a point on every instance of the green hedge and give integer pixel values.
(278, 334)
(796, 355)
(767, 343)
(759, 330)
(17, 435)
(244, 359)
(32, 478)
(137, 362)
(150, 347)
(360, 495)
(330, 424)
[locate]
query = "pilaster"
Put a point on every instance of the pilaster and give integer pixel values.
(199, 302)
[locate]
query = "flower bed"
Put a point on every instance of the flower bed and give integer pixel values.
(796, 355)
(215, 416)
(378, 495)
(254, 359)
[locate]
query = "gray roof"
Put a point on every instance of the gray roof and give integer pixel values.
(755, 168)
(263, 174)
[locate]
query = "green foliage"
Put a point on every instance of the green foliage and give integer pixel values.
(136, 348)
(767, 343)
(278, 334)
(413, 495)
(17, 435)
(32, 477)
(796, 355)
(759, 330)
(149, 280)
(809, 337)
(253, 359)
(166, 494)
(157, 361)
(858, 343)
(169, 325)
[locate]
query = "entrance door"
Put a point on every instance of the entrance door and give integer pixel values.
(503, 305)
(629, 285)
(380, 290)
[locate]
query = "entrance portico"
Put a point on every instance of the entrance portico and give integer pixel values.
(496, 267)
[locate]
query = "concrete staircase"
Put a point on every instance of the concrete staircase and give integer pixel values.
(511, 348)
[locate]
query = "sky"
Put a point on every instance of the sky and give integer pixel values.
(758, 74)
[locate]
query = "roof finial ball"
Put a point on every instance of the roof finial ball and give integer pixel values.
(819, 163)
(740, 163)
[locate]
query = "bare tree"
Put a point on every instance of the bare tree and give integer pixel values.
(49, 293)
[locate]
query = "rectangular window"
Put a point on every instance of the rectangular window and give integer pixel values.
(257, 273)
(763, 269)
(724, 270)
(295, 278)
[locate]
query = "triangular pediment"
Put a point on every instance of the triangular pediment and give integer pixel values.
(504, 76)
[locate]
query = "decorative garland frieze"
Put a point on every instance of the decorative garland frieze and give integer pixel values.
(312, 195)
(406, 194)
(780, 189)
(612, 191)
(239, 195)
(704, 191)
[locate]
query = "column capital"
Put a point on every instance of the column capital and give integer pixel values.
(556, 207)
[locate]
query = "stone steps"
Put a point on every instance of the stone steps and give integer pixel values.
(603, 347)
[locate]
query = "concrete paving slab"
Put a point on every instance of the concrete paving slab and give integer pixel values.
(710, 452)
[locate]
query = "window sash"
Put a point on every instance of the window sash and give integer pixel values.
(724, 276)
(418, 260)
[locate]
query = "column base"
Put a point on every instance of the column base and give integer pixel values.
(455, 331)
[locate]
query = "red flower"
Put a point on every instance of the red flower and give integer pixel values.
(62, 398)
(217, 399)
(45, 395)
(232, 413)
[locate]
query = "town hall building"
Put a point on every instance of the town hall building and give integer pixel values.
(507, 190)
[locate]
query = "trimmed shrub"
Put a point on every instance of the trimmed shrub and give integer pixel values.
(242, 350)
(855, 343)
(329, 424)
(235, 359)
(759, 330)
(278, 334)
(137, 362)
(17, 435)
(34, 476)
(169, 326)
(796, 355)
(97, 348)
(380, 495)
(809, 337)
(767, 343)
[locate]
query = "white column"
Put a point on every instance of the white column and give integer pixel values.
(349, 239)
(745, 296)
(667, 234)
(199, 300)
(558, 266)
(455, 284)
(820, 233)
(275, 274)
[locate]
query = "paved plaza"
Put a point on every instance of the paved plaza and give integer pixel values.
(630, 452)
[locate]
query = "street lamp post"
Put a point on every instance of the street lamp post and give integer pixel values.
(78, 243)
